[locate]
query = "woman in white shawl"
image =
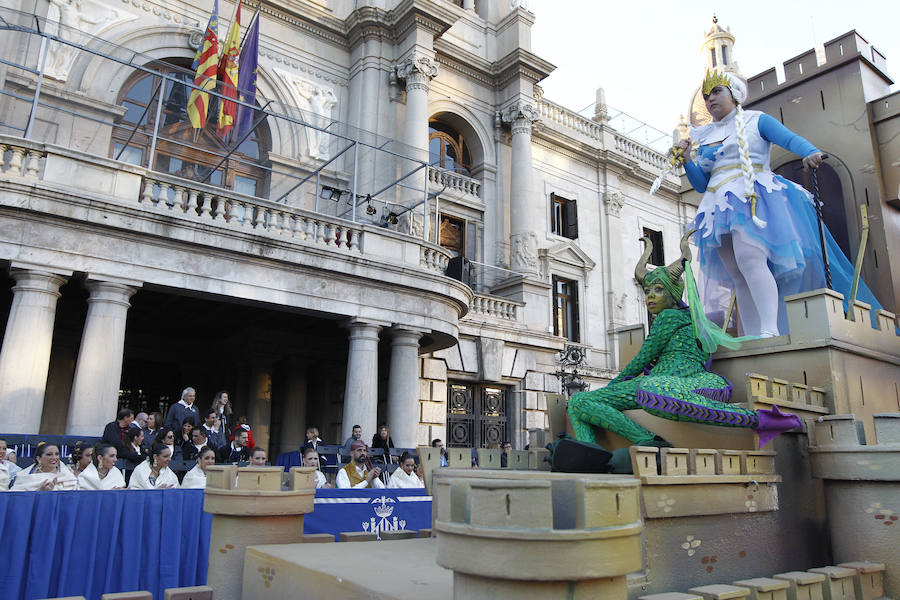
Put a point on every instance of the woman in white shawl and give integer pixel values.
(102, 473)
(48, 472)
(196, 477)
(154, 473)
(406, 476)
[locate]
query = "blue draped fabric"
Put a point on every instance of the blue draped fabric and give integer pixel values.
(368, 510)
(90, 543)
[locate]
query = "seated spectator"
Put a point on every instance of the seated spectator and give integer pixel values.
(4, 467)
(166, 437)
(114, 432)
(215, 438)
(102, 473)
(223, 413)
(154, 422)
(355, 436)
(132, 453)
(196, 478)
(406, 476)
(81, 457)
(357, 473)
(243, 426)
(258, 457)
(383, 440)
(154, 473)
(436, 443)
(311, 459)
(11, 466)
(504, 458)
(312, 439)
(183, 409)
(235, 452)
(190, 450)
(140, 420)
(47, 473)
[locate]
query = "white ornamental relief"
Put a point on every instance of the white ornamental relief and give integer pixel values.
(523, 256)
(317, 103)
(65, 18)
(614, 203)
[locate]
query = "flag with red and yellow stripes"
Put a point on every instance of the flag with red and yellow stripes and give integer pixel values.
(228, 75)
(206, 64)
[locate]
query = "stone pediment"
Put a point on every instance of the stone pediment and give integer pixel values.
(567, 253)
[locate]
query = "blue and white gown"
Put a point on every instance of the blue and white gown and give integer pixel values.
(790, 238)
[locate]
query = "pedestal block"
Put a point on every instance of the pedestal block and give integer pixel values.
(803, 585)
(869, 579)
(587, 531)
(721, 592)
(838, 584)
(250, 514)
(765, 588)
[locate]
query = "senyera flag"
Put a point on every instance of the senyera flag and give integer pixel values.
(205, 64)
(228, 75)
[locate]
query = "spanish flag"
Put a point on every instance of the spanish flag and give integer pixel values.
(228, 75)
(205, 63)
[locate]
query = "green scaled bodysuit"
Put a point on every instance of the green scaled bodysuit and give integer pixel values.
(678, 387)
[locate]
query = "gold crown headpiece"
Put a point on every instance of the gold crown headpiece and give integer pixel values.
(713, 79)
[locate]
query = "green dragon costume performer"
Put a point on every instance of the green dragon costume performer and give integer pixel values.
(669, 376)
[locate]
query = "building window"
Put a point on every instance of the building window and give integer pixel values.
(179, 150)
(724, 56)
(458, 236)
(563, 217)
(712, 51)
(658, 257)
(447, 149)
(565, 309)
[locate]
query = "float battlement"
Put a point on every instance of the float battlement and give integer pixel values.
(841, 49)
(819, 315)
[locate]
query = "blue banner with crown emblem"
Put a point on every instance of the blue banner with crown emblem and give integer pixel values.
(368, 510)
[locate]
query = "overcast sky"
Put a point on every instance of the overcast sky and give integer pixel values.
(646, 53)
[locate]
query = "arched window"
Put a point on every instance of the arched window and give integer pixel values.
(179, 150)
(447, 148)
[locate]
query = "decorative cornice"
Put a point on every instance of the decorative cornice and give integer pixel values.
(323, 27)
(430, 15)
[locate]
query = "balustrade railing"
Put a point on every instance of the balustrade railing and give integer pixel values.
(176, 196)
(569, 119)
(494, 306)
(454, 182)
(639, 151)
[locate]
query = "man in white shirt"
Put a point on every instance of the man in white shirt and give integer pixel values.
(355, 474)
(183, 409)
(215, 439)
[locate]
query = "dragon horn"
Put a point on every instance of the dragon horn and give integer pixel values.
(677, 268)
(640, 269)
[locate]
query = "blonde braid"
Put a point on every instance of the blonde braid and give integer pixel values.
(747, 165)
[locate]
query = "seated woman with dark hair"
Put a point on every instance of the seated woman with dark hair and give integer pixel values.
(132, 451)
(196, 477)
(154, 473)
(47, 473)
(102, 473)
(187, 426)
(81, 457)
(406, 476)
(166, 437)
(154, 423)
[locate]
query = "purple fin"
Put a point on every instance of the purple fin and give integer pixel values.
(773, 422)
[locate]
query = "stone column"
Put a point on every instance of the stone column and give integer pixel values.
(293, 415)
(403, 387)
(98, 370)
(361, 388)
(25, 354)
(259, 410)
(523, 216)
(417, 71)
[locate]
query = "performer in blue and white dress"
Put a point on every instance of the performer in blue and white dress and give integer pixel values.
(757, 232)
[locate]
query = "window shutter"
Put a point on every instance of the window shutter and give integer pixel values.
(571, 208)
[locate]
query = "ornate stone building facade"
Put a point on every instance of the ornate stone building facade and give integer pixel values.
(304, 268)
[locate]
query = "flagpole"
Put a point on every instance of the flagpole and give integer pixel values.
(246, 31)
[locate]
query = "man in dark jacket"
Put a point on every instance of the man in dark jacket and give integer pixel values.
(183, 409)
(236, 451)
(114, 432)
